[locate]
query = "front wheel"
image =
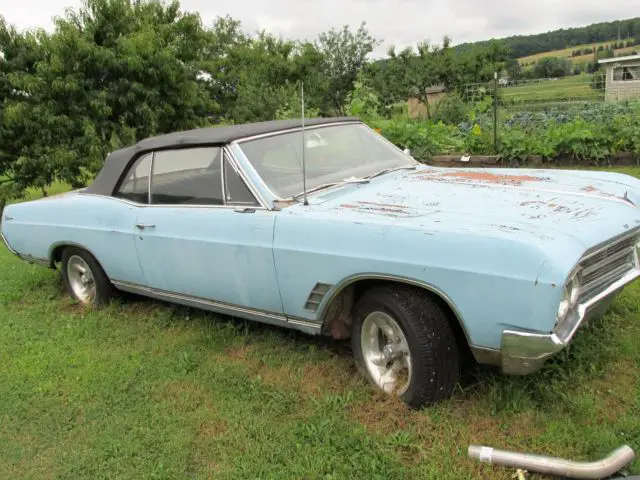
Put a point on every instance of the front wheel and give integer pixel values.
(404, 345)
(84, 278)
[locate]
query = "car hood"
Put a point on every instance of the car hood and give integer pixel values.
(589, 207)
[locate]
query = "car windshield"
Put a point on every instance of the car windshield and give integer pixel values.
(333, 154)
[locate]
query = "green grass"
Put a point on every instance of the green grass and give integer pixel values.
(142, 389)
(569, 88)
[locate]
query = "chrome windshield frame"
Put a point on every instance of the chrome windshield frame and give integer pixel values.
(257, 180)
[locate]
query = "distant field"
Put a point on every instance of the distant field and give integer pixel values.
(566, 52)
(570, 88)
(620, 52)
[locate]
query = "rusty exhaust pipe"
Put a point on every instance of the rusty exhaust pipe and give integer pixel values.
(561, 467)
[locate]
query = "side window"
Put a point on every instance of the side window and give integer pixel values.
(237, 192)
(135, 187)
(190, 176)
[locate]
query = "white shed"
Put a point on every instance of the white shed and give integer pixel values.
(622, 78)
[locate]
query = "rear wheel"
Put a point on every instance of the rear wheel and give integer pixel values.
(84, 278)
(404, 345)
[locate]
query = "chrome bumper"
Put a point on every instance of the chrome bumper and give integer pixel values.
(522, 353)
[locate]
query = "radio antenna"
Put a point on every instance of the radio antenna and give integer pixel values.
(304, 147)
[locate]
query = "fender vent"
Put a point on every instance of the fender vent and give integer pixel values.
(316, 296)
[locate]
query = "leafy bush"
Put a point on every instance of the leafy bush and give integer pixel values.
(424, 139)
(584, 133)
(551, 67)
(451, 109)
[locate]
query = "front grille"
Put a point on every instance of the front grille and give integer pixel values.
(604, 267)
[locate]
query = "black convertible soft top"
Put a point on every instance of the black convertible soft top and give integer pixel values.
(117, 161)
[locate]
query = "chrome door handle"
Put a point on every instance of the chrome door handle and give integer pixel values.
(142, 226)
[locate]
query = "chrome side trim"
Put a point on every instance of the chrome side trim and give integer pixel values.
(151, 165)
(219, 307)
(245, 178)
(26, 257)
(295, 129)
(229, 160)
(312, 328)
(6, 243)
(55, 245)
(144, 205)
(339, 287)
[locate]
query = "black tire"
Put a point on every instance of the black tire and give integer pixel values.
(434, 354)
(104, 291)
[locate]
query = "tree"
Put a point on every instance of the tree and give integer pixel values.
(112, 72)
(514, 69)
(431, 65)
(551, 67)
(345, 54)
(24, 116)
(363, 101)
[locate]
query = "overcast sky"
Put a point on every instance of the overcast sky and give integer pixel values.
(396, 22)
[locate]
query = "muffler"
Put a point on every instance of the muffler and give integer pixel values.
(560, 467)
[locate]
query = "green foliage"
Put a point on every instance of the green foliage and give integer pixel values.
(363, 101)
(586, 136)
(451, 109)
(292, 107)
(344, 56)
(551, 67)
(424, 139)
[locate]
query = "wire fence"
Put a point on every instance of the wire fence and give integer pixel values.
(545, 92)
(534, 103)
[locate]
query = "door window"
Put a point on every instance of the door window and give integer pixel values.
(135, 186)
(237, 192)
(191, 176)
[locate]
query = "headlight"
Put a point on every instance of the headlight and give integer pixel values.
(570, 296)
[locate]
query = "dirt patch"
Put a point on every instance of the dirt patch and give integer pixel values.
(238, 353)
(314, 380)
(212, 428)
(184, 395)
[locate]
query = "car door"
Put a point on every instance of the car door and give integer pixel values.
(195, 242)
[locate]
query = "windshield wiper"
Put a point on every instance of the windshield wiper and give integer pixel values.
(315, 189)
(346, 181)
(394, 169)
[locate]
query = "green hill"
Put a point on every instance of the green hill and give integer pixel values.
(568, 38)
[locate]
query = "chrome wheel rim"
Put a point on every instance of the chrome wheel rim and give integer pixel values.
(81, 279)
(386, 353)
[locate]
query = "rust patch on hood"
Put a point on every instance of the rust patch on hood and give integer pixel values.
(483, 177)
(388, 209)
(597, 191)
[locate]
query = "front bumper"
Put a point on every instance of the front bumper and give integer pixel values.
(522, 353)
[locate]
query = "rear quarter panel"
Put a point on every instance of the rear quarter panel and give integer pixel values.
(102, 225)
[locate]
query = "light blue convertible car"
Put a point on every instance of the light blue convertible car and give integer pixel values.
(417, 265)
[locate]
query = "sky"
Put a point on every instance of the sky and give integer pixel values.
(395, 22)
